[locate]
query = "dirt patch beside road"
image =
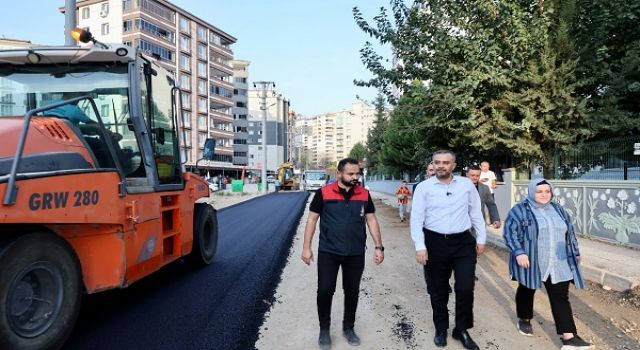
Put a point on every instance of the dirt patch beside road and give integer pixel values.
(394, 310)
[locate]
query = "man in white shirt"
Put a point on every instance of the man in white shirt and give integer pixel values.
(488, 177)
(446, 210)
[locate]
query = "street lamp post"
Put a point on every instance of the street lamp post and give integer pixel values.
(264, 86)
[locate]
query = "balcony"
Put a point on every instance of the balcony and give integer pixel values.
(223, 117)
(217, 101)
(226, 70)
(150, 8)
(221, 133)
(223, 51)
(224, 150)
(217, 81)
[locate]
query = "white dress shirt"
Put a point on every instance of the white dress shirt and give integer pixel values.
(446, 208)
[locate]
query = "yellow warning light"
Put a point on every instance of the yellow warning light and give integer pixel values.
(81, 35)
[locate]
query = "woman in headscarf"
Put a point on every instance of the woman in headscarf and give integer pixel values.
(544, 250)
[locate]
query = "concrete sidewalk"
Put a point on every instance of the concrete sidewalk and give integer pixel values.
(611, 266)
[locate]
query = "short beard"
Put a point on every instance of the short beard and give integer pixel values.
(349, 183)
(443, 177)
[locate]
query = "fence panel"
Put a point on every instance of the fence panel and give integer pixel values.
(602, 160)
(599, 209)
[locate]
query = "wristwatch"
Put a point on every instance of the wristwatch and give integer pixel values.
(380, 248)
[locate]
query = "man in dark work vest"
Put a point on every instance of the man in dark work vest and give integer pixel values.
(344, 208)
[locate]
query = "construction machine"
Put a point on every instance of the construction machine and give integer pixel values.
(94, 193)
(287, 177)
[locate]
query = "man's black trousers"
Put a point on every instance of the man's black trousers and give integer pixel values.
(352, 268)
(447, 253)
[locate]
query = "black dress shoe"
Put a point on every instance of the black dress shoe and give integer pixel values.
(440, 339)
(465, 339)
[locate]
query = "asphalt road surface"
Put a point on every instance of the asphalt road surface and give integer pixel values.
(217, 307)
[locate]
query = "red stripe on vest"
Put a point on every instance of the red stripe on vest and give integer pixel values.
(332, 192)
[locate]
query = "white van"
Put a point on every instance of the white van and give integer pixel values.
(314, 179)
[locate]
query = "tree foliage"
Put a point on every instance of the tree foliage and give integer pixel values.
(358, 151)
(607, 42)
(478, 75)
(375, 136)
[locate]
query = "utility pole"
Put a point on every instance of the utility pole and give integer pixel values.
(69, 22)
(264, 86)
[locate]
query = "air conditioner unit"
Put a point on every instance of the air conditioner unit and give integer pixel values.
(104, 13)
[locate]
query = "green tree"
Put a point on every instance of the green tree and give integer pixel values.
(358, 151)
(607, 39)
(479, 69)
(375, 136)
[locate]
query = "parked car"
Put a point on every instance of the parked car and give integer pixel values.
(271, 179)
(212, 185)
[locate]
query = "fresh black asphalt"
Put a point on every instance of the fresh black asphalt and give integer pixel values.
(220, 306)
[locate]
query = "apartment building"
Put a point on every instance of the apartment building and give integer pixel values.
(240, 112)
(198, 53)
(277, 110)
(329, 137)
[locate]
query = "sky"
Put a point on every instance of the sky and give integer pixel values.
(309, 48)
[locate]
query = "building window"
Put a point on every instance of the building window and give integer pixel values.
(241, 104)
(214, 39)
(85, 12)
(185, 44)
(165, 54)
(188, 140)
(202, 122)
(155, 30)
(202, 87)
(202, 105)
(104, 29)
(202, 51)
(220, 91)
(201, 33)
(185, 63)
(104, 9)
(185, 81)
(201, 138)
(184, 25)
(186, 116)
(202, 69)
(104, 112)
(186, 100)
(185, 155)
(222, 158)
(157, 9)
(239, 154)
(239, 80)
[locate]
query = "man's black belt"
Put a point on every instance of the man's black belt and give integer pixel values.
(447, 235)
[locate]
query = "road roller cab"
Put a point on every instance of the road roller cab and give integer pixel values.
(94, 193)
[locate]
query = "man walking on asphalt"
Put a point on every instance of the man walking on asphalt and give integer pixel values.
(485, 196)
(445, 210)
(343, 208)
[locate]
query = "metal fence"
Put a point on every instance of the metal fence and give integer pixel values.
(611, 159)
